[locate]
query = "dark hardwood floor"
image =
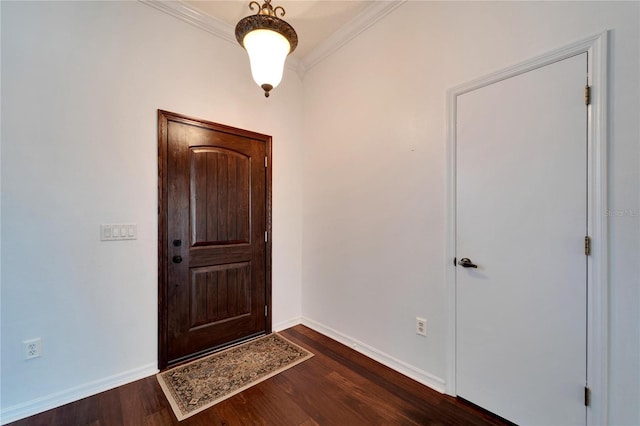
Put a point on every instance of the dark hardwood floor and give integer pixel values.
(338, 386)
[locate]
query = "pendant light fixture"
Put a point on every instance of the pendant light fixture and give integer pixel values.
(268, 40)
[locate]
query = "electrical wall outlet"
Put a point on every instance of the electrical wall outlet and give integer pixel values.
(421, 326)
(32, 348)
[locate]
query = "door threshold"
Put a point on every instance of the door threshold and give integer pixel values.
(193, 357)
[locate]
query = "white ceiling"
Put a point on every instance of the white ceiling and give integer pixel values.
(313, 20)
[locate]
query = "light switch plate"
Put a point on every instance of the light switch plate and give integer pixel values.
(118, 231)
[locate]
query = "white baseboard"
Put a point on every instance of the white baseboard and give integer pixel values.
(283, 325)
(57, 399)
(427, 379)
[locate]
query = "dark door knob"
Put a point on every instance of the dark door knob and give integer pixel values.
(177, 259)
(465, 262)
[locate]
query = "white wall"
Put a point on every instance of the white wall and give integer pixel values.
(81, 84)
(374, 173)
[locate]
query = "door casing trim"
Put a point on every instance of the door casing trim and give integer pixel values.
(163, 244)
(596, 48)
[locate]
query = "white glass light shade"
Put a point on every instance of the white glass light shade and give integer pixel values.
(267, 52)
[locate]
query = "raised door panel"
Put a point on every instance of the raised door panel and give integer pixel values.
(219, 293)
(220, 196)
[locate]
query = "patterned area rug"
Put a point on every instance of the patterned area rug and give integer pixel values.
(196, 386)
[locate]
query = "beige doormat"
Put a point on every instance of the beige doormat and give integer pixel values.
(196, 386)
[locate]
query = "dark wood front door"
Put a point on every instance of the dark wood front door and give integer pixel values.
(214, 250)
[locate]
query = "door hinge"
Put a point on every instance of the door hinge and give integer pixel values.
(587, 396)
(587, 245)
(266, 162)
(266, 236)
(266, 310)
(587, 95)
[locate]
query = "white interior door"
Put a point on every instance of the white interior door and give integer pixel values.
(521, 218)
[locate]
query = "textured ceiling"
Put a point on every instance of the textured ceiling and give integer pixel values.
(313, 20)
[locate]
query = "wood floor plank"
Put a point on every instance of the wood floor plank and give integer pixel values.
(162, 417)
(227, 414)
(87, 409)
(370, 375)
(338, 386)
(61, 415)
(423, 404)
(249, 406)
(314, 393)
(276, 404)
(133, 404)
(106, 415)
(365, 392)
(381, 410)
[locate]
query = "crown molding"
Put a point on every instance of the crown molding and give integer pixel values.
(185, 12)
(372, 14)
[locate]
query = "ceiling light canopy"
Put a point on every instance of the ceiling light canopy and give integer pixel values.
(268, 40)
